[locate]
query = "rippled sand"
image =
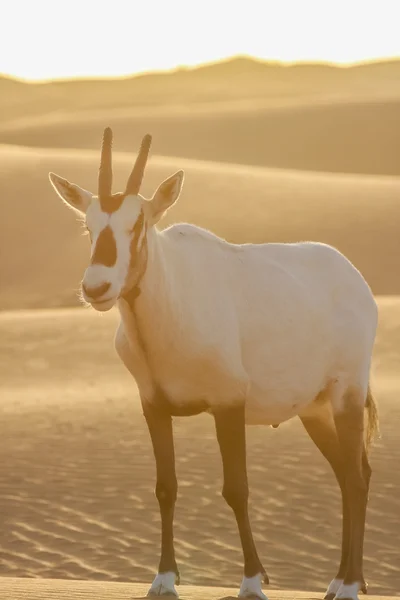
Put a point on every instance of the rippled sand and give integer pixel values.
(61, 589)
(77, 474)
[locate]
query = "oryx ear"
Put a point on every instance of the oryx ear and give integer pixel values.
(73, 195)
(165, 196)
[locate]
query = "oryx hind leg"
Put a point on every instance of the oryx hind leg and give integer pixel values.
(320, 425)
(335, 423)
(349, 421)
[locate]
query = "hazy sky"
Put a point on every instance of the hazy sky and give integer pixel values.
(44, 39)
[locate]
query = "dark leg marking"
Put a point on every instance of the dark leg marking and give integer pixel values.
(161, 433)
(231, 435)
(350, 431)
(161, 402)
(324, 436)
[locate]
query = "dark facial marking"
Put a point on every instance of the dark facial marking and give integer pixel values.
(111, 203)
(137, 230)
(136, 252)
(105, 252)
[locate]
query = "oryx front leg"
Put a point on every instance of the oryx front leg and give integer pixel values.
(160, 428)
(230, 428)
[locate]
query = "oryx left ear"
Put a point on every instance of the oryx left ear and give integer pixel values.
(165, 196)
(75, 196)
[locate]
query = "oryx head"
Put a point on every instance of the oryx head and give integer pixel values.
(118, 225)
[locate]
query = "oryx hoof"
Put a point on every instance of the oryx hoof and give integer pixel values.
(164, 585)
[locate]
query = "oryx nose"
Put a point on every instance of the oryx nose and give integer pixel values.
(96, 292)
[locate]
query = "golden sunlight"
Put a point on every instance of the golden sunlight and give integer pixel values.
(44, 40)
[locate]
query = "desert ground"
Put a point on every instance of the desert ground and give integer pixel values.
(287, 160)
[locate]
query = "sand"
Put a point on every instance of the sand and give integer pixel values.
(310, 153)
(78, 476)
(50, 589)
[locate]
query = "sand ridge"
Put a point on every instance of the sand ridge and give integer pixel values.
(345, 134)
(47, 253)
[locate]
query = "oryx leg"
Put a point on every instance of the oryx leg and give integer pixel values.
(230, 428)
(349, 421)
(159, 423)
(321, 428)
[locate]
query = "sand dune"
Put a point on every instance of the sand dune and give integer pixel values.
(265, 150)
(336, 133)
(301, 116)
(76, 486)
(240, 78)
(43, 253)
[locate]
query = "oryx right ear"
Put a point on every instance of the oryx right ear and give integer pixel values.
(165, 196)
(74, 196)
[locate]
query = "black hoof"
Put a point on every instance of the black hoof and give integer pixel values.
(178, 578)
(364, 588)
(330, 596)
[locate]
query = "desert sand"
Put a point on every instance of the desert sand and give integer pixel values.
(77, 478)
(77, 490)
(43, 589)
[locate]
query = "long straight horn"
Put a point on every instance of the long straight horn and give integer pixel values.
(136, 177)
(105, 169)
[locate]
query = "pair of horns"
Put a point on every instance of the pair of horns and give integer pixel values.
(105, 170)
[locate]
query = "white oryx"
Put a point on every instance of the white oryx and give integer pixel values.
(250, 333)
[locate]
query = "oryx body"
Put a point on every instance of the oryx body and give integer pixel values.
(251, 333)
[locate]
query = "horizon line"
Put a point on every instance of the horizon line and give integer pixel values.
(205, 64)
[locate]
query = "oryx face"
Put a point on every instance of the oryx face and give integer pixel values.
(118, 225)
